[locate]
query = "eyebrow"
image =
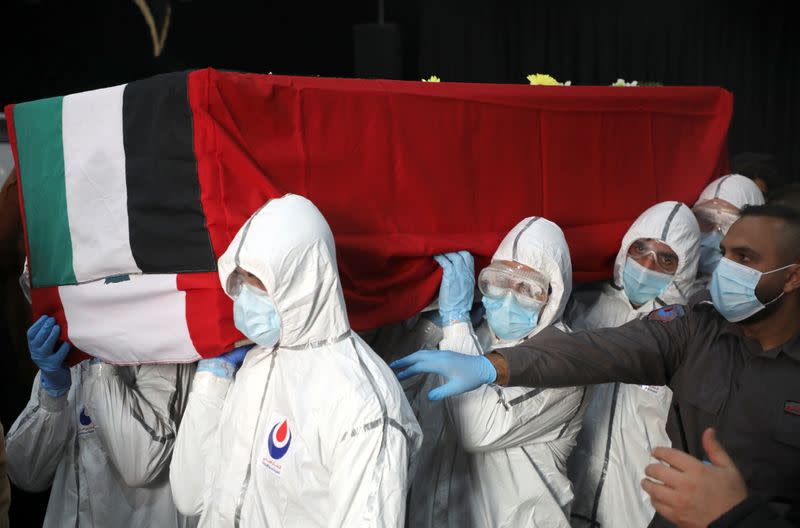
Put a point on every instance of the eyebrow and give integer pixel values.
(741, 249)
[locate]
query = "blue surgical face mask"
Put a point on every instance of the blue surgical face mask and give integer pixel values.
(509, 320)
(733, 290)
(709, 251)
(643, 284)
(256, 316)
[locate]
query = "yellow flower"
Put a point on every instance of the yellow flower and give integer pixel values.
(541, 79)
(432, 78)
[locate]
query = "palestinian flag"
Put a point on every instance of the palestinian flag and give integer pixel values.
(117, 240)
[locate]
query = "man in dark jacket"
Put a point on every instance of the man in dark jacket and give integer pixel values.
(733, 364)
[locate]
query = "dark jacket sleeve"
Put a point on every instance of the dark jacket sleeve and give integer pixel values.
(645, 352)
(755, 513)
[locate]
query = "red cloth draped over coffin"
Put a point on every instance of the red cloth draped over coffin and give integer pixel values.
(406, 170)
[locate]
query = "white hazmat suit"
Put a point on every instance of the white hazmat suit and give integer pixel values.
(104, 447)
(519, 438)
(314, 431)
(716, 210)
(735, 189)
(624, 423)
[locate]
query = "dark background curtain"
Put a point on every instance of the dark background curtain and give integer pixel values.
(751, 48)
(747, 47)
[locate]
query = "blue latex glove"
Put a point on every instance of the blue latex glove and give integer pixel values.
(42, 341)
(458, 286)
(225, 365)
(462, 372)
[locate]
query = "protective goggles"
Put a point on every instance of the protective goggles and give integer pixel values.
(498, 280)
(235, 283)
(715, 215)
(643, 250)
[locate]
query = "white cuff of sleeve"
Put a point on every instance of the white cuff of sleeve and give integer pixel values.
(211, 385)
(457, 330)
(51, 403)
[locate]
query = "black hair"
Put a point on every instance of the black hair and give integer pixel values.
(790, 234)
(756, 165)
(787, 196)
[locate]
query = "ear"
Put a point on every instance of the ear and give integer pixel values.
(793, 279)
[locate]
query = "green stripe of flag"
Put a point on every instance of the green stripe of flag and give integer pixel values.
(41, 166)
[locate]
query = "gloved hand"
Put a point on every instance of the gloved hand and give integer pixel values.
(458, 286)
(42, 340)
(225, 365)
(462, 372)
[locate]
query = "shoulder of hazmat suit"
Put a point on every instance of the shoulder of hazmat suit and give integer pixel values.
(521, 434)
(624, 423)
(314, 431)
(104, 446)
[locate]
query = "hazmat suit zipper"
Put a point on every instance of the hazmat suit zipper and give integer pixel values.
(76, 456)
(246, 484)
(604, 471)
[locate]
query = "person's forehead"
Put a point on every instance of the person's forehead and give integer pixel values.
(718, 204)
(244, 273)
(249, 278)
(757, 233)
(516, 265)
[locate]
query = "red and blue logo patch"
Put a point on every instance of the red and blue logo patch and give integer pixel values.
(84, 418)
(280, 439)
(667, 313)
(85, 425)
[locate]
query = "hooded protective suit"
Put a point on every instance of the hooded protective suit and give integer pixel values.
(104, 447)
(624, 423)
(735, 189)
(519, 438)
(670, 222)
(314, 431)
(715, 218)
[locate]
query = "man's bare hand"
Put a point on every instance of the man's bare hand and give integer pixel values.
(693, 493)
